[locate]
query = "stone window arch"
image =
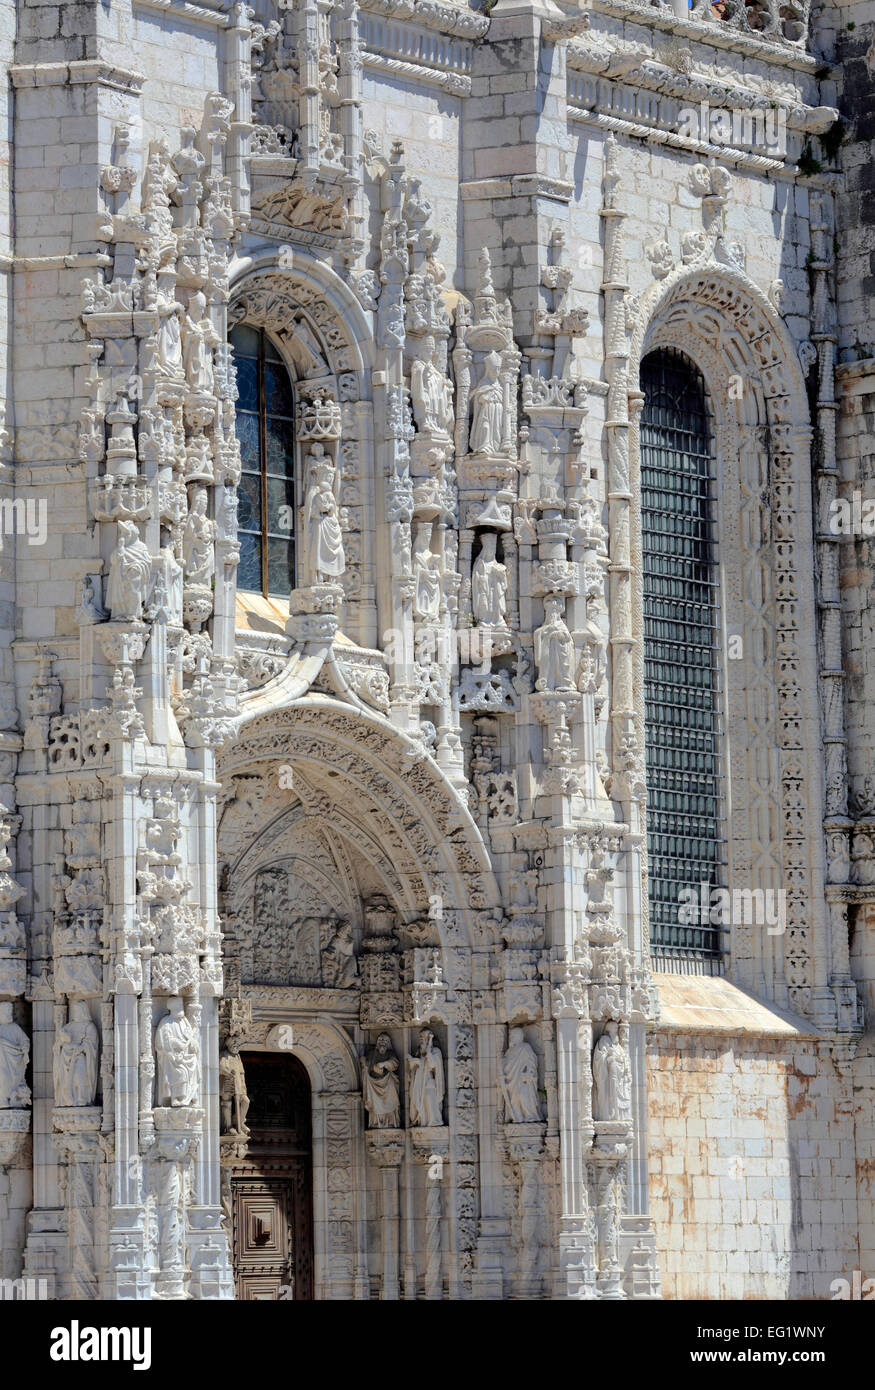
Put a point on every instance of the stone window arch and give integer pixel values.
(682, 685)
(762, 433)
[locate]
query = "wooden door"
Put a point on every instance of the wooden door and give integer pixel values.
(263, 1239)
(271, 1188)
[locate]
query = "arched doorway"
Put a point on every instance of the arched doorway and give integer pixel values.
(272, 1187)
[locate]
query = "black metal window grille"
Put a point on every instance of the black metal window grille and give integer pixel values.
(685, 835)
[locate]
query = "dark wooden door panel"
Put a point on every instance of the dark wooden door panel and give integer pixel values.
(272, 1242)
(272, 1187)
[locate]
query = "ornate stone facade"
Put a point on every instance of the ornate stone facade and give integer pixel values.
(392, 824)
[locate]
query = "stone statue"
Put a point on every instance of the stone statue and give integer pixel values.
(609, 1091)
(14, 1052)
(198, 555)
(323, 539)
(431, 392)
(75, 1057)
(199, 338)
(554, 649)
(178, 1074)
(427, 1082)
(130, 571)
(173, 585)
(89, 610)
(488, 399)
(489, 584)
(233, 1100)
(426, 572)
(170, 364)
(380, 1088)
(519, 1076)
(339, 967)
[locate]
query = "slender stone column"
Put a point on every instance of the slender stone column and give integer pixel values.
(431, 1146)
(386, 1148)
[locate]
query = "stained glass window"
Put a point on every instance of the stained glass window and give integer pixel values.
(266, 495)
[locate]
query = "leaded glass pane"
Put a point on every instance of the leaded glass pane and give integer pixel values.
(266, 500)
(683, 733)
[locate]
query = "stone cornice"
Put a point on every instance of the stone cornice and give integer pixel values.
(82, 71)
(516, 186)
(220, 16)
(443, 59)
(605, 105)
(454, 83)
(718, 35)
(627, 64)
(432, 14)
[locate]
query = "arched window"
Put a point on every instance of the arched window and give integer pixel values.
(266, 496)
(681, 671)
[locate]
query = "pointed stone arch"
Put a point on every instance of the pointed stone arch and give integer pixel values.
(275, 286)
(325, 338)
(377, 776)
(730, 331)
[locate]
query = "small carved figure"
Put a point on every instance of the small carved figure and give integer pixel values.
(431, 392)
(380, 1088)
(609, 1092)
(14, 1052)
(427, 1082)
(426, 572)
(233, 1100)
(197, 542)
(75, 1057)
(178, 1075)
(169, 363)
(129, 574)
(199, 337)
(554, 649)
(89, 610)
(519, 1074)
(323, 539)
(488, 399)
(489, 584)
(339, 967)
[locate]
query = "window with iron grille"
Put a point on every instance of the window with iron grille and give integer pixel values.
(266, 495)
(681, 672)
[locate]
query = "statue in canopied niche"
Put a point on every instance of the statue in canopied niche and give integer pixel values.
(233, 1099)
(427, 1082)
(489, 584)
(427, 574)
(380, 1088)
(609, 1078)
(75, 1057)
(554, 649)
(323, 539)
(178, 1072)
(14, 1053)
(198, 555)
(130, 571)
(199, 339)
(431, 392)
(519, 1074)
(488, 400)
